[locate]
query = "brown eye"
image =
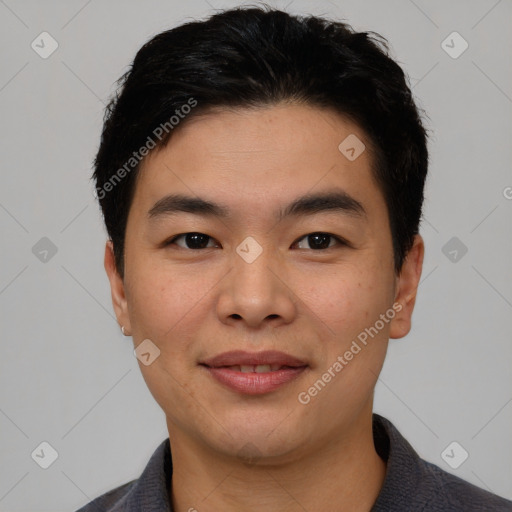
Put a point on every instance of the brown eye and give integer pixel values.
(192, 241)
(319, 241)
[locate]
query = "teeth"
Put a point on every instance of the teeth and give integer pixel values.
(260, 368)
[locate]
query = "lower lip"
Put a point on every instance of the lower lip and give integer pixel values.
(255, 383)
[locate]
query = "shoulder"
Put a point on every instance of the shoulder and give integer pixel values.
(111, 500)
(414, 484)
(448, 492)
(148, 492)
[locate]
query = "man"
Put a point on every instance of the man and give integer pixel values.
(261, 178)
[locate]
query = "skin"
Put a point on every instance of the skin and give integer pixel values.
(269, 452)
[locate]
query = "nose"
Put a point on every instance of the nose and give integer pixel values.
(256, 293)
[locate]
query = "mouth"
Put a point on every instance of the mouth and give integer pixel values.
(240, 358)
(256, 368)
(254, 373)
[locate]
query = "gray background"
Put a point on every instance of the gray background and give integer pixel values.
(68, 376)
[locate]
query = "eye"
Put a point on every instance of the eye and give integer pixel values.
(192, 241)
(197, 241)
(319, 241)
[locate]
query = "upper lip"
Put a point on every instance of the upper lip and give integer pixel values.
(240, 357)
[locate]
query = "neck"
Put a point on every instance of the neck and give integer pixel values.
(344, 474)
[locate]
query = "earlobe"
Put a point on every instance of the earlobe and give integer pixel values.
(407, 288)
(117, 288)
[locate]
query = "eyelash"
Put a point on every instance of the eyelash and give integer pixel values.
(340, 241)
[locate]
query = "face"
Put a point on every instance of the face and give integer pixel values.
(288, 249)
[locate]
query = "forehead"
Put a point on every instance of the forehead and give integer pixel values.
(260, 156)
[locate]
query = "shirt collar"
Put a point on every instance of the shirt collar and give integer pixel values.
(403, 471)
(151, 490)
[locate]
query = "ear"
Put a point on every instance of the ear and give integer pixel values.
(406, 289)
(116, 288)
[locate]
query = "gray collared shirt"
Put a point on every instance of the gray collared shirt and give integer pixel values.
(411, 484)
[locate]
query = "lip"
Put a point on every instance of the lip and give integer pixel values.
(241, 357)
(253, 383)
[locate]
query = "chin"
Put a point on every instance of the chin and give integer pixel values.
(261, 437)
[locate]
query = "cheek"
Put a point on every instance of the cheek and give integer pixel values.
(162, 303)
(347, 301)
(164, 308)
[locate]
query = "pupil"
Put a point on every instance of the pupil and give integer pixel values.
(314, 241)
(197, 240)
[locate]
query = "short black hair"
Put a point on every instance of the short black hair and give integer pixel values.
(251, 57)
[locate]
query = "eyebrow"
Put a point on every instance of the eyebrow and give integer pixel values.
(310, 204)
